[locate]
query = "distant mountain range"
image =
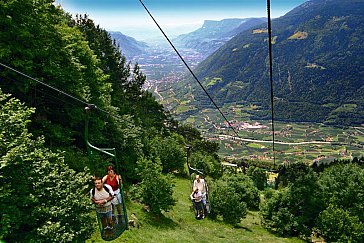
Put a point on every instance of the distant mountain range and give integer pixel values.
(318, 66)
(129, 46)
(213, 34)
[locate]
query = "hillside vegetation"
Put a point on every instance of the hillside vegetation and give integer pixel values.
(53, 67)
(317, 67)
(60, 75)
(179, 225)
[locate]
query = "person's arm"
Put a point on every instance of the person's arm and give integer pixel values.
(120, 180)
(104, 179)
(93, 199)
(108, 199)
(102, 201)
(191, 196)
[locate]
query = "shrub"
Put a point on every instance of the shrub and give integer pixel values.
(156, 189)
(41, 197)
(338, 225)
(259, 176)
(232, 195)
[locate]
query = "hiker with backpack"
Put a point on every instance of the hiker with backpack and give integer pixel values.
(101, 195)
(112, 179)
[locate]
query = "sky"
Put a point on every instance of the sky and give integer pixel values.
(174, 16)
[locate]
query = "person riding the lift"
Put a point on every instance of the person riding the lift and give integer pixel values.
(202, 187)
(101, 195)
(196, 197)
(112, 179)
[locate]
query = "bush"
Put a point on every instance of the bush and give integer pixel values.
(293, 210)
(156, 189)
(226, 203)
(231, 196)
(337, 225)
(209, 164)
(170, 152)
(259, 176)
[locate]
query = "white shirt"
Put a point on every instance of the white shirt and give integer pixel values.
(196, 196)
(200, 185)
(102, 195)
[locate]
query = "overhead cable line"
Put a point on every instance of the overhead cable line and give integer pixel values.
(271, 78)
(61, 92)
(189, 69)
(47, 85)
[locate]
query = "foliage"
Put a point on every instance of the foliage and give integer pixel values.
(170, 151)
(231, 196)
(342, 190)
(293, 209)
(330, 203)
(209, 164)
(259, 176)
(290, 174)
(339, 225)
(156, 189)
(342, 186)
(37, 188)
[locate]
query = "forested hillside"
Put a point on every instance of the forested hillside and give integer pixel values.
(317, 66)
(52, 67)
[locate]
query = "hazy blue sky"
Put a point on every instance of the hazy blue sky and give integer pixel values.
(174, 16)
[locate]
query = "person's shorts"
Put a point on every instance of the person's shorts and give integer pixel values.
(104, 212)
(104, 215)
(117, 199)
(198, 205)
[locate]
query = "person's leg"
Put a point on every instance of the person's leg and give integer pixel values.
(109, 219)
(195, 205)
(118, 203)
(204, 207)
(199, 209)
(103, 219)
(118, 207)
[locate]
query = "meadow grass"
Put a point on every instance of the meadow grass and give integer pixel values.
(179, 225)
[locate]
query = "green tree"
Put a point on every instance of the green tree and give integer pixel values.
(289, 174)
(170, 152)
(232, 195)
(227, 203)
(342, 189)
(259, 176)
(37, 189)
(156, 189)
(208, 163)
(338, 225)
(293, 210)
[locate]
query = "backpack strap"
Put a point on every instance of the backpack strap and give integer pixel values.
(107, 190)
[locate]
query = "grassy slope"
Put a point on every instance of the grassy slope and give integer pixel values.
(180, 225)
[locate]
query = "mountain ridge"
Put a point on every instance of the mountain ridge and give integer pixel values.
(129, 46)
(317, 70)
(214, 33)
